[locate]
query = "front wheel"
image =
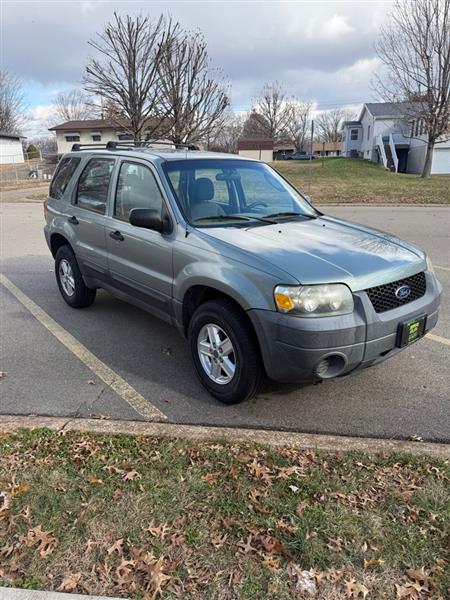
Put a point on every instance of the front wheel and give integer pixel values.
(70, 281)
(225, 351)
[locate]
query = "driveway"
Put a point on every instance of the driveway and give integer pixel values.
(113, 360)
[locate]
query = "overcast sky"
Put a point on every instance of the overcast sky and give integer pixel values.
(320, 50)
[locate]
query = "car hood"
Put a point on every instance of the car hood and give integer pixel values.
(327, 250)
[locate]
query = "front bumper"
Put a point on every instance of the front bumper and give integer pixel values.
(294, 349)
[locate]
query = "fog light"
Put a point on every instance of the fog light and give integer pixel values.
(330, 366)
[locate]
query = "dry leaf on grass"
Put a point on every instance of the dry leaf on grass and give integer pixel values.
(132, 476)
(69, 582)
(116, 547)
(44, 541)
(159, 531)
(355, 589)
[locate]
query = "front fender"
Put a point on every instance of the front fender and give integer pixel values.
(249, 287)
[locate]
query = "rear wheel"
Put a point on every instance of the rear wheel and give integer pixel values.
(225, 351)
(70, 281)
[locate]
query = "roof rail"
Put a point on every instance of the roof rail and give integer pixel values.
(113, 145)
(77, 147)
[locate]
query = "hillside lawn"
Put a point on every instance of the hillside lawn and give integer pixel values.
(342, 180)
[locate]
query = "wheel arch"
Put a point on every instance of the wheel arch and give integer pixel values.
(199, 294)
(56, 241)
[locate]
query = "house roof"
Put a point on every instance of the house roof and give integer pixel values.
(255, 144)
(388, 109)
(97, 124)
(11, 136)
(351, 124)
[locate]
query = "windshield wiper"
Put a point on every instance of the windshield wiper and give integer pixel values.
(233, 218)
(289, 214)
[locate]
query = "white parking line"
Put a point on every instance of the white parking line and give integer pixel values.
(438, 338)
(443, 268)
(103, 372)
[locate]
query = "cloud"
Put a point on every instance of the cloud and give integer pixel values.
(319, 50)
(336, 26)
(38, 120)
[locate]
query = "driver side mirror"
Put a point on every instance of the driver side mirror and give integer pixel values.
(149, 218)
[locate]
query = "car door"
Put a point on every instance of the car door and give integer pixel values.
(88, 214)
(140, 260)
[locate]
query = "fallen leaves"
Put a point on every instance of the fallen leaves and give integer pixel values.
(355, 589)
(43, 541)
(70, 582)
(132, 476)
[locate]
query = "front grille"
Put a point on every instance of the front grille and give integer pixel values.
(383, 297)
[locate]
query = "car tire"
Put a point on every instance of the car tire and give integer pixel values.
(70, 281)
(234, 375)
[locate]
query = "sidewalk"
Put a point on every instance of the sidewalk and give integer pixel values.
(16, 594)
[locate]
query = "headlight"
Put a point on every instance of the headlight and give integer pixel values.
(429, 265)
(314, 300)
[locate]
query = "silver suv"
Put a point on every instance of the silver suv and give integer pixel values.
(233, 255)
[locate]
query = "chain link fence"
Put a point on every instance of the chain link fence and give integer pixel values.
(31, 170)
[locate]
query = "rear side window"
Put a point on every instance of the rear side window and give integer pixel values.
(93, 185)
(62, 176)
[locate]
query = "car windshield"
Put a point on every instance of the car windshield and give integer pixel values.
(234, 193)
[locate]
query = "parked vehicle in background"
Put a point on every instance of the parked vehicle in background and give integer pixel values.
(301, 156)
(225, 249)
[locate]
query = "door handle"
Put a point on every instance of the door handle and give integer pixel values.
(73, 220)
(116, 235)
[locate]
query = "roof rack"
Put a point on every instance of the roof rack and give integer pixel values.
(113, 145)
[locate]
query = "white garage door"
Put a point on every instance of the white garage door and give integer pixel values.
(441, 161)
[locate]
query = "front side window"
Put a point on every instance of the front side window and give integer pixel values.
(233, 192)
(354, 134)
(62, 176)
(136, 188)
(93, 185)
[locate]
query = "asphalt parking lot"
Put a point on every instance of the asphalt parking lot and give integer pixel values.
(53, 355)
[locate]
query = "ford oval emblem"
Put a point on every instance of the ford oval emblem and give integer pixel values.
(403, 292)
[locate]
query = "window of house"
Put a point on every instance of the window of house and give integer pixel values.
(62, 176)
(124, 136)
(136, 188)
(417, 126)
(93, 185)
(353, 134)
(368, 133)
(73, 138)
(96, 137)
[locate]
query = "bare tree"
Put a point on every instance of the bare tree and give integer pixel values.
(74, 105)
(328, 124)
(12, 104)
(275, 108)
(191, 99)
(46, 144)
(126, 73)
(255, 126)
(298, 125)
(415, 49)
(226, 137)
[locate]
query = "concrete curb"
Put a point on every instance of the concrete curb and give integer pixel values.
(19, 594)
(328, 443)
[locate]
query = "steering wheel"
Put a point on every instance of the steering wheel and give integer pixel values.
(256, 205)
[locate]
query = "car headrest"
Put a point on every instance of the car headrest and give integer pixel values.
(202, 190)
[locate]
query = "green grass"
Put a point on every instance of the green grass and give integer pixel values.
(146, 518)
(357, 180)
